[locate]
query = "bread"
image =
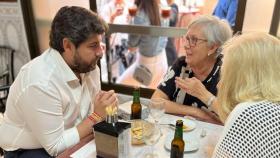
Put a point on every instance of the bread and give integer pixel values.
(136, 133)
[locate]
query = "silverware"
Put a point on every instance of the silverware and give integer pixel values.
(168, 124)
(203, 133)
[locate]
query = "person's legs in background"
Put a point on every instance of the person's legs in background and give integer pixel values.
(157, 66)
(127, 76)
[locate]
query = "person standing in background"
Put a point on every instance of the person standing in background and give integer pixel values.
(56, 98)
(151, 62)
(115, 12)
(170, 49)
(100, 4)
(226, 9)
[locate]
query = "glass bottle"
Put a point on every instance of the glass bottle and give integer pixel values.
(178, 144)
(136, 107)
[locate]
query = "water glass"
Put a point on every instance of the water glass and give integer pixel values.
(156, 108)
(151, 135)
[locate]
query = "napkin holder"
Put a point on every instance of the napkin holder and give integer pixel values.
(112, 139)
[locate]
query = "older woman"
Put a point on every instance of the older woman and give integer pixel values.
(250, 87)
(190, 84)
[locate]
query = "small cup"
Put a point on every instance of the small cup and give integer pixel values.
(111, 119)
(132, 10)
(165, 12)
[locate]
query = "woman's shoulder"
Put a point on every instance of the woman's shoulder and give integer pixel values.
(181, 61)
(178, 64)
(239, 108)
(249, 123)
(219, 59)
(252, 109)
(253, 105)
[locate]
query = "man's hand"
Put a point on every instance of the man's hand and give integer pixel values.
(104, 99)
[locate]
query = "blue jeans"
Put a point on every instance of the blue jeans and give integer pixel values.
(27, 153)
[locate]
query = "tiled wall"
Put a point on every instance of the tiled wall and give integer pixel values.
(12, 32)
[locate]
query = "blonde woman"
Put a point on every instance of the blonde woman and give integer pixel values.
(249, 97)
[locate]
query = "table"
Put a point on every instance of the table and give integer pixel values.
(77, 147)
(86, 148)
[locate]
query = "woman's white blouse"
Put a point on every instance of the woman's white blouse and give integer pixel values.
(251, 131)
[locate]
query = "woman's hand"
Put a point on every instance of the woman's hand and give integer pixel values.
(104, 99)
(117, 12)
(192, 86)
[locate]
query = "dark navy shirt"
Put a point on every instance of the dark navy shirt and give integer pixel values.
(168, 85)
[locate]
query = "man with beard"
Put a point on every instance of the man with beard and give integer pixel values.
(56, 98)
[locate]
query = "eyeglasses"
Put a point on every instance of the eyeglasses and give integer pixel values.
(192, 41)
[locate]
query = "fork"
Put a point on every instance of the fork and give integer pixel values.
(168, 124)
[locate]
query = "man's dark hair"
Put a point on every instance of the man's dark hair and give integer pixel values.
(76, 24)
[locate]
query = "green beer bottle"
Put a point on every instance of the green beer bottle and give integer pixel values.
(136, 107)
(178, 144)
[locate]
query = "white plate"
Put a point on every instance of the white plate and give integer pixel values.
(191, 144)
(190, 124)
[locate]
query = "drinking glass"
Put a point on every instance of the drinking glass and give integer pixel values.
(165, 14)
(156, 109)
(132, 10)
(151, 135)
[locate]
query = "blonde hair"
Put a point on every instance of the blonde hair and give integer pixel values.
(250, 71)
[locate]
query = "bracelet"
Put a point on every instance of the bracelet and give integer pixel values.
(98, 117)
(92, 119)
(95, 118)
(210, 101)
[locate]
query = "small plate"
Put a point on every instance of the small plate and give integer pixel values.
(188, 125)
(191, 144)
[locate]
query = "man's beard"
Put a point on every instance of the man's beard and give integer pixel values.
(81, 67)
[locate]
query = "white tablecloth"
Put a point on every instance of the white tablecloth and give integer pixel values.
(206, 143)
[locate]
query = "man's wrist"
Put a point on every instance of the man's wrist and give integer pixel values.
(95, 118)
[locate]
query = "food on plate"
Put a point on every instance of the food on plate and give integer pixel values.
(136, 133)
(185, 128)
